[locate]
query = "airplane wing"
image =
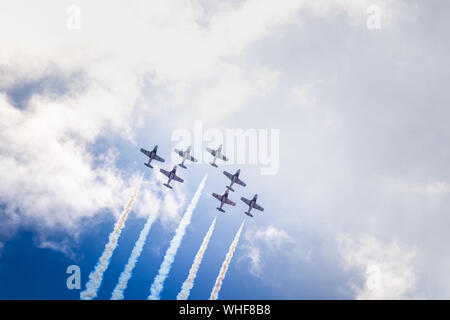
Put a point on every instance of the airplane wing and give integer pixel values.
(177, 178)
(158, 158)
(228, 201)
(257, 207)
(247, 202)
(193, 159)
(218, 197)
(181, 153)
(228, 175)
(240, 182)
(146, 152)
(165, 172)
(223, 157)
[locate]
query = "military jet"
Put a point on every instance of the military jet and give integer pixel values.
(234, 179)
(252, 204)
(186, 156)
(223, 199)
(172, 175)
(152, 155)
(217, 155)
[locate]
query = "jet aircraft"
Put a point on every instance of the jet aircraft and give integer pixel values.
(217, 155)
(234, 179)
(152, 155)
(252, 204)
(172, 175)
(186, 156)
(223, 200)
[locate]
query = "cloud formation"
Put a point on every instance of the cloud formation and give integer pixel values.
(264, 242)
(386, 268)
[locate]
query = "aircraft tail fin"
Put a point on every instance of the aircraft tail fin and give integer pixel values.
(182, 165)
(213, 164)
(148, 165)
(220, 209)
(168, 186)
(230, 188)
(249, 214)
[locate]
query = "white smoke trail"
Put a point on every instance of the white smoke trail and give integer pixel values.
(96, 276)
(189, 282)
(225, 264)
(158, 282)
(135, 254)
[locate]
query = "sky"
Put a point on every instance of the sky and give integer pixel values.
(353, 96)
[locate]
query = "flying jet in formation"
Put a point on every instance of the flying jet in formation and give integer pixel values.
(172, 175)
(234, 179)
(223, 199)
(152, 155)
(217, 155)
(186, 156)
(252, 204)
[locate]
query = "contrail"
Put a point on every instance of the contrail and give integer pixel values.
(135, 254)
(189, 282)
(225, 264)
(96, 276)
(158, 283)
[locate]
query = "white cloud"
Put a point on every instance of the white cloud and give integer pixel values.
(303, 96)
(432, 190)
(262, 245)
(48, 175)
(386, 268)
(272, 237)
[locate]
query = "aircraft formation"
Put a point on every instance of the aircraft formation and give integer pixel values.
(217, 154)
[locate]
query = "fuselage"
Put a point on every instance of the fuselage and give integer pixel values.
(217, 152)
(252, 203)
(186, 155)
(153, 153)
(235, 177)
(223, 199)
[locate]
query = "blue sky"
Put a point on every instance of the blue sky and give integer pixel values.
(358, 208)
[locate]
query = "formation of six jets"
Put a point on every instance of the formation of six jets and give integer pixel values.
(217, 154)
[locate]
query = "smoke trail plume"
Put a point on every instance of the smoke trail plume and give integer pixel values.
(189, 282)
(158, 282)
(96, 276)
(135, 254)
(225, 264)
